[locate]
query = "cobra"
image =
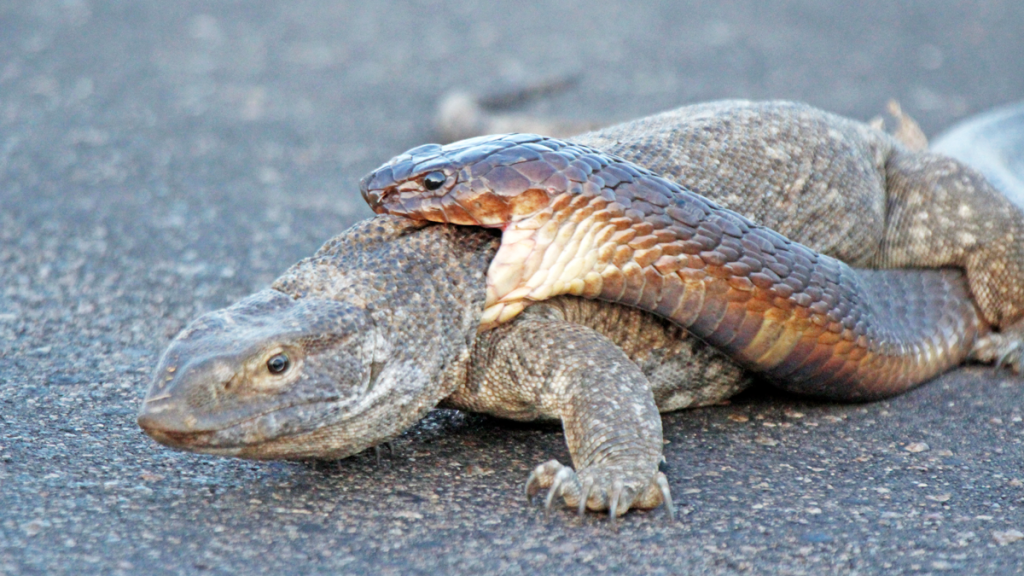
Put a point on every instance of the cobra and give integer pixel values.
(579, 221)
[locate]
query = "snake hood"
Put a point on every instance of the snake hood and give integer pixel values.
(486, 181)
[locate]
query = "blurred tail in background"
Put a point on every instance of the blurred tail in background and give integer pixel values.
(993, 144)
(462, 114)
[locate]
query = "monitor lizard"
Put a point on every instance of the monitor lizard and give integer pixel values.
(352, 346)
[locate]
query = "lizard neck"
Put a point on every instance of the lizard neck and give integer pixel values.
(424, 288)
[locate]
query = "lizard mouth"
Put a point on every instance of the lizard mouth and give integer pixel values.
(269, 432)
(191, 441)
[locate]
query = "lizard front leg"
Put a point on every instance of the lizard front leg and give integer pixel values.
(543, 367)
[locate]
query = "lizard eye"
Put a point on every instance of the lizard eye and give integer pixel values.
(434, 180)
(278, 363)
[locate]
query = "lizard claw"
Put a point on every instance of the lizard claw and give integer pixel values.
(379, 449)
(616, 495)
(541, 477)
(564, 475)
(600, 487)
(1010, 359)
(666, 495)
(588, 487)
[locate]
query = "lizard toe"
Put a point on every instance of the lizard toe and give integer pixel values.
(566, 482)
(1003, 349)
(542, 477)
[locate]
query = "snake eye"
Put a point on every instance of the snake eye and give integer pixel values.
(434, 180)
(278, 363)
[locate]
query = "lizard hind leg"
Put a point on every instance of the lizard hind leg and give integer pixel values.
(1003, 349)
(944, 213)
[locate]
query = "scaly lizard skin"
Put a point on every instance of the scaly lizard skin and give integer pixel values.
(352, 346)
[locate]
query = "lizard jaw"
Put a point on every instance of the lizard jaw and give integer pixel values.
(270, 435)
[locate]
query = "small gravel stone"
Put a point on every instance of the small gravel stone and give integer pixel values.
(1007, 537)
(34, 527)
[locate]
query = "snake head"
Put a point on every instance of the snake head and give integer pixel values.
(487, 181)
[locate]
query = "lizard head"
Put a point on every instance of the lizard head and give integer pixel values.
(274, 377)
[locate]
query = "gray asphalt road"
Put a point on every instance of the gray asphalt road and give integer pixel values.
(162, 158)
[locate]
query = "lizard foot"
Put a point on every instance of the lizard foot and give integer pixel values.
(1004, 348)
(600, 487)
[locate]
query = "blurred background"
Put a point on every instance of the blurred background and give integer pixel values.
(316, 91)
(287, 104)
(161, 158)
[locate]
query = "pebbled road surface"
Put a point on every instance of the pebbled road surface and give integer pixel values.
(159, 159)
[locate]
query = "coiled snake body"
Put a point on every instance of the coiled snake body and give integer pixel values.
(577, 221)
